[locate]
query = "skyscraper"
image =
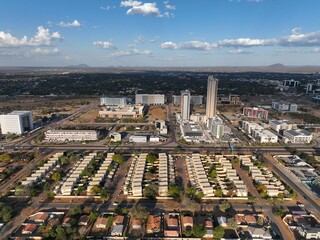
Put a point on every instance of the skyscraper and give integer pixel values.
(212, 88)
(185, 104)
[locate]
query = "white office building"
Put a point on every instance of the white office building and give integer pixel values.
(216, 127)
(16, 122)
(298, 136)
(150, 99)
(71, 135)
(114, 102)
(185, 104)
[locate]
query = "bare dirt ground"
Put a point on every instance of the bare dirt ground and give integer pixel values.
(87, 117)
(157, 113)
(44, 106)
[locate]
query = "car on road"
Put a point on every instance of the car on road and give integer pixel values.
(300, 204)
(249, 204)
(115, 203)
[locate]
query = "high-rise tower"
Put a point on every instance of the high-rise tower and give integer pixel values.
(211, 106)
(185, 104)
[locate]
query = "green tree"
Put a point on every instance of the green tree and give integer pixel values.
(199, 196)
(150, 191)
(77, 210)
(232, 223)
(218, 192)
(105, 193)
(5, 157)
(213, 173)
(56, 176)
(224, 206)
(95, 190)
(141, 213)
(175, 192)
(93, 216)
(61, 233)
(191, 191)
(118, 158)
(198, 231)
(218, 232)
(151, 158)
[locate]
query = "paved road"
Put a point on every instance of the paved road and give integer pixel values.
(297, 186)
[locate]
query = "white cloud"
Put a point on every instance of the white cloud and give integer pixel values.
(139, 39)
(239, 51)
(189, 45)
(316, 50)
(133, 52)
(170, 7)
(299, 39)
(107, 8)
(104, 45)
(75, 23)
(43, 52)
(245, 42)
(169, 45)
(130, 3)
(43, 37)
(145, 9)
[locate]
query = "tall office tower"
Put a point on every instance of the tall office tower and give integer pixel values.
(212, 88)
(16, 122)
(185, 104)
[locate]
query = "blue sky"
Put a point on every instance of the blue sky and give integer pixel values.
(159, 33)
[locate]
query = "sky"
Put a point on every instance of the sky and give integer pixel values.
(160, 33)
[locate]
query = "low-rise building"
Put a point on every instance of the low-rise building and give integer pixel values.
(198, 118)
(298, 136)
(265, 136)
(115, 137)
(249, 127)
(278, 125)
(161, 126)
(153, 224)
(71, 135)
(254, 112)
(137, 111)
(114, 101)
(29, 228)
(138, 139)
(101, 222)
(284, 107)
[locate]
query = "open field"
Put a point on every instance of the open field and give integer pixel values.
(87, 117)
(157, 113)
(44, 106)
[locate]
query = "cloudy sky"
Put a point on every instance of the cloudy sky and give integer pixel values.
(159, 33)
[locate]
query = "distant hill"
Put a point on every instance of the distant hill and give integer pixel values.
(84, 68)
(78, 66)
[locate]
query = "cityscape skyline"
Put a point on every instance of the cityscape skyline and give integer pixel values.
(160, 33)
